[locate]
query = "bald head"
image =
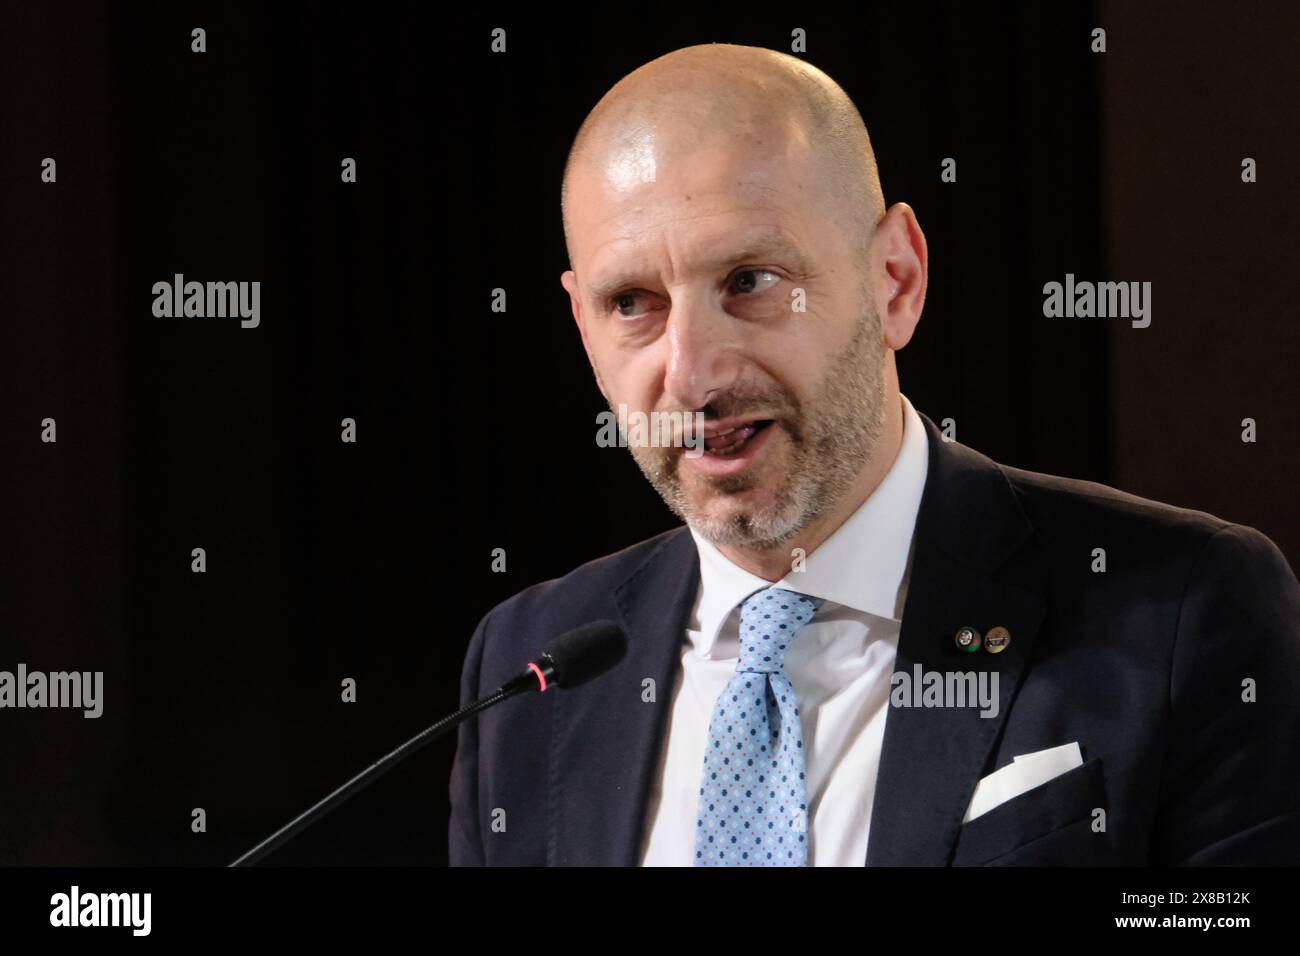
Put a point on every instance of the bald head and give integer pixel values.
(731, 259)
(750, 98)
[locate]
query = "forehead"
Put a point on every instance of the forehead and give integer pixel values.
(641, 194)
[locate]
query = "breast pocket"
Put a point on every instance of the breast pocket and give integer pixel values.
(1067, 801)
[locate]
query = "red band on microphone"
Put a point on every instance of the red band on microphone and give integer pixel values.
(541, 678)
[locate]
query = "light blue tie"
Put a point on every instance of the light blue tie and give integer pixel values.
(753, 797)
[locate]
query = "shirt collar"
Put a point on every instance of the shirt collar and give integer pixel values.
(861, 565)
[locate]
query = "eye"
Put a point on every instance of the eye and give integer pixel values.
(624, 303)
(749, 281)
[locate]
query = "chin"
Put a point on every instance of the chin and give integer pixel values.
(722, 525)
(729, 505)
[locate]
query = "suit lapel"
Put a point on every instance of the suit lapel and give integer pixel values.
(970, 567)
(606, 739)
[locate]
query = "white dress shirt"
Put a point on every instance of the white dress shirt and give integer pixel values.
(839, 665)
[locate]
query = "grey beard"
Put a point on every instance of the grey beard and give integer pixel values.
(831, 440)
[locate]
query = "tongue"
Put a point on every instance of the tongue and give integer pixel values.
(741, 435)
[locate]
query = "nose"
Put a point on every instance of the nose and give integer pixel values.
(703, 353)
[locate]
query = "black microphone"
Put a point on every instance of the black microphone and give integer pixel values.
(571, 660)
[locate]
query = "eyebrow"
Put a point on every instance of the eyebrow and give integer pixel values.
(767, 245)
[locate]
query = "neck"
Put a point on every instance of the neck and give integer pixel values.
(773, 564)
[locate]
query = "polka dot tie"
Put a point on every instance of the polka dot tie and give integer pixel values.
(753, 798)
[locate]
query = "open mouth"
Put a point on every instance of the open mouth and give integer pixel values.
(733, 440)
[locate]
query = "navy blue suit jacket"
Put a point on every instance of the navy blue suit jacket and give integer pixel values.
(1143, 664)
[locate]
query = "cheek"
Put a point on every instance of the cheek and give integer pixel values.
(791, 365)
(630, 380)
(812, 346)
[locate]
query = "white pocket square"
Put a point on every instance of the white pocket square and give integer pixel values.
(1023, 773)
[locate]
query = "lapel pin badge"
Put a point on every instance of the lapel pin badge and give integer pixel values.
(996, 640)
(967, 639)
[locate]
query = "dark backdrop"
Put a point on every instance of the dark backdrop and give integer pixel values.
(475, 429)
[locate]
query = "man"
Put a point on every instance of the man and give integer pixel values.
(868, 645)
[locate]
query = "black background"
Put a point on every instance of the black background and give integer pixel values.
(373, 560)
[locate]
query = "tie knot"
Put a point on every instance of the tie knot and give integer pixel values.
(769, 621)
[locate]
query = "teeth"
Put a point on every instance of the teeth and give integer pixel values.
(740, 435)
(728, 449)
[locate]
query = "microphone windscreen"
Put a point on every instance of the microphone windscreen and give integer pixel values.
(585, 652)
